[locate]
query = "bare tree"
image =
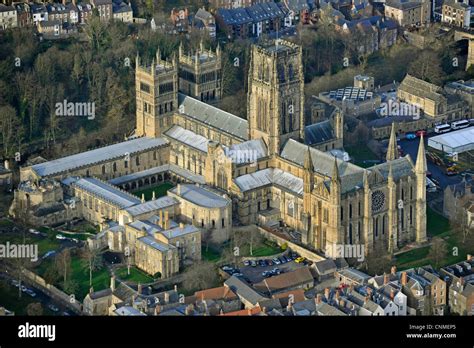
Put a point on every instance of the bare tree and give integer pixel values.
(438, 251)
(201, 275)
(92, 261)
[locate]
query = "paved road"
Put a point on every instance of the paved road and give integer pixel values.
(41, 297)
(411, 147)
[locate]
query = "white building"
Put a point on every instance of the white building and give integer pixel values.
(8, 17)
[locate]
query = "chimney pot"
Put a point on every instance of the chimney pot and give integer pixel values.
(404, 278)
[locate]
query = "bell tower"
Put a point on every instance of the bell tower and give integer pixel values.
(275, 107)
(156, 95)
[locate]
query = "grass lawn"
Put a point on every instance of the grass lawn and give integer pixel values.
(361, 153)
(264, 249)
(210, 255)
(80, 274)
(45, 244)
(100, 278)
(135, 276)
(436, 224)
(160, 191)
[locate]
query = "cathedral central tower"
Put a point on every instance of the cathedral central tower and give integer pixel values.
(275, 107)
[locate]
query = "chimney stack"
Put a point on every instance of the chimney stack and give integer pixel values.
(337, 295)
(112, 283)
(318, 298)
(326, 293)
(392, 294)
(160, 223)
(167, 297)
(176, 288)
(181, 225)
(393, 270)
(153, 197)
(404, 278)
(166, 221)
(178, 189)
(469, 256)
(385, 278)
(140, 289)
(6, 164)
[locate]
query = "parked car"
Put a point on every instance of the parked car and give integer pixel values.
(276, 261)
(24, 288)
(15, 283)
(49, 253)
(238, 274)
(227, 268)
(300, 259)
(30, 292)
(410, 136)
(269, 262)
(60, 236)
(33, 231)
(246, 262)
(253, 263)
(288, 259)
(282, 259)
(276, 271)
(53, 308)
(262, 263)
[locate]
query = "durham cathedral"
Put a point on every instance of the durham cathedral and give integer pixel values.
(275, 167)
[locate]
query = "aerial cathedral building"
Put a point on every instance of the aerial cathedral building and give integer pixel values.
(266, 164)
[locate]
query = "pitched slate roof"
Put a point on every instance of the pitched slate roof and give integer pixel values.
(107, 192)
(270, 176)
(213, 116)
(243, 290)
(95, 156)
(201, 196)
(323, 162)
(287, 280)
(319, 133)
